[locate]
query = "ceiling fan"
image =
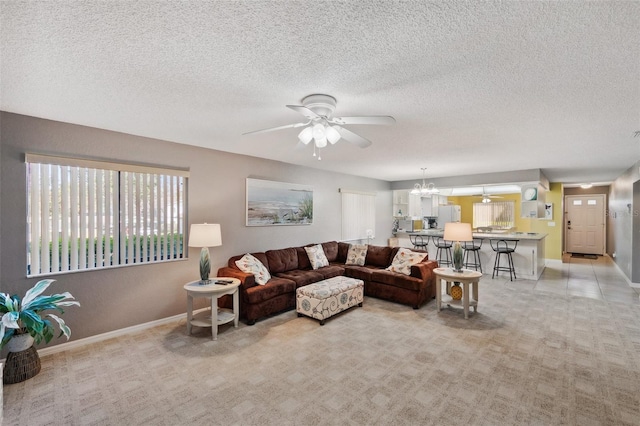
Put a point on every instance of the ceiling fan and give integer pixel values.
(322, 127)
(486, 197)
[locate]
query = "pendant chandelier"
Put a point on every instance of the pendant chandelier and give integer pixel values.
(424, 189)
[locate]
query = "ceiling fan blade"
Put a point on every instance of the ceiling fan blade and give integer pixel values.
(353, 138)
(304, 111)
(271, 129)
(381, 120)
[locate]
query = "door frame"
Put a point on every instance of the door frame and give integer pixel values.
(604, 218)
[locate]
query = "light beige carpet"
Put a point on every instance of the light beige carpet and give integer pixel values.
(526, 358)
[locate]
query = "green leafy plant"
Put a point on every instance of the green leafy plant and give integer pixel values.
(21, 316)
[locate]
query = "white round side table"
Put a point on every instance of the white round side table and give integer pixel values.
(214, 289)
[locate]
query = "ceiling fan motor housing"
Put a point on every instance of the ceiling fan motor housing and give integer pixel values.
(323, 105)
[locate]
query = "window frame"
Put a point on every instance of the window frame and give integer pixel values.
(105, 224)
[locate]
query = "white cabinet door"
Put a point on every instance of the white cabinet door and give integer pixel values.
(430, 206)
(415, 206)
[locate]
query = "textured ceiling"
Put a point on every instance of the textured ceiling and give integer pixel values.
(475, 87)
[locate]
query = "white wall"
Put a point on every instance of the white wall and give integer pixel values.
(122, 297)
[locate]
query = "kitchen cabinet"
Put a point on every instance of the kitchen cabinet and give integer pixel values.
(400, 203)
(406, 204)
(430, 206)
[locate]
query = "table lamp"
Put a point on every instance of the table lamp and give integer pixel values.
(205, 235)
(457, 231)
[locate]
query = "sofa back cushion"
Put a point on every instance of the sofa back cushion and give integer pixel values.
(303, 257)
(282, 260)
(343, 249)
(330, 249)
(378, 256)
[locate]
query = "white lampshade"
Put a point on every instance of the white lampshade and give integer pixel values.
(205, 235)
(306, 135)
(333, 135)
(457, 231)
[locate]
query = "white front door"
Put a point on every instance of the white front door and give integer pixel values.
(585, 223)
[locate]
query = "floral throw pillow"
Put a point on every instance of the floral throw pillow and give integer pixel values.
(316, 256)
(356, 254)
(404, 259)
(251, 265)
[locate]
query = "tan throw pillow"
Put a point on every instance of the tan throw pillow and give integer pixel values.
(251, 265)
(316, 256)
(356, 254)
(404, 259)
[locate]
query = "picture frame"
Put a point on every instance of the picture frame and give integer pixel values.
(548, 211)
(272, 203)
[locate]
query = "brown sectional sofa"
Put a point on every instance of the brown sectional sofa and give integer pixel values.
(290, 268)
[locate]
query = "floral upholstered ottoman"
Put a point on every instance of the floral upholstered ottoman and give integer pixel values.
(328, 297)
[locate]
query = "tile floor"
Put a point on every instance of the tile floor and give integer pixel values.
(593, 278)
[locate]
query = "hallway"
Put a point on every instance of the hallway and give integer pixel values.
(582, 277)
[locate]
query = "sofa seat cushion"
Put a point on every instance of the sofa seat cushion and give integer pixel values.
(396, 279)
(359, 272)
(276, 286)
(331, 271)
(302, 277)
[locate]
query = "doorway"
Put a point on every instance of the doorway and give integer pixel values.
(585, 231)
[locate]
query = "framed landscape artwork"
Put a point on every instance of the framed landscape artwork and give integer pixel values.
(278, 203)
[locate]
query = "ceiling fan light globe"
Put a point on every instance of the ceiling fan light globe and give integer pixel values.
(321, 143)
(333, 135)
(318, 132)
(306, 135)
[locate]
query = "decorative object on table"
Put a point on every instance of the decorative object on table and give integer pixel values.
(457, 231)
(424, 189)
(23, 324)
(278, 203)
(322, 127)
(370, 235)
(205, 235)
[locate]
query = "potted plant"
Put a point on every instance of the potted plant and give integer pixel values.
(23, 324)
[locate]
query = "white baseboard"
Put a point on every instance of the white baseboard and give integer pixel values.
(110, 334)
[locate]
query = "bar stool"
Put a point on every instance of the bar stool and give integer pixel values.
(443, 247)
(419, 241)
(506, 248)
(472, 247)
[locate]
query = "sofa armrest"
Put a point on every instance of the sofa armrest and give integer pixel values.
(246, 280)
(424, 271)
(424, 268)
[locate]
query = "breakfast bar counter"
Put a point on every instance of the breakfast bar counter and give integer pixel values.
(528, 259)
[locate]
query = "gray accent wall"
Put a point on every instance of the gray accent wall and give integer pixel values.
(121, 297)
(623, 221)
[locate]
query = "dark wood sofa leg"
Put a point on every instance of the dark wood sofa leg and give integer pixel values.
(251, 322)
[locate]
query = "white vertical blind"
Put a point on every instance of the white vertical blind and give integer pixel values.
(499, 214)
(86, 217)
(358, 214)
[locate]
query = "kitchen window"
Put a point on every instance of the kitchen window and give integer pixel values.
(500, 215)
(86, 214)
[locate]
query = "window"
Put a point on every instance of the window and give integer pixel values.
(495, 214)
(358, 215)
(85, 214)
